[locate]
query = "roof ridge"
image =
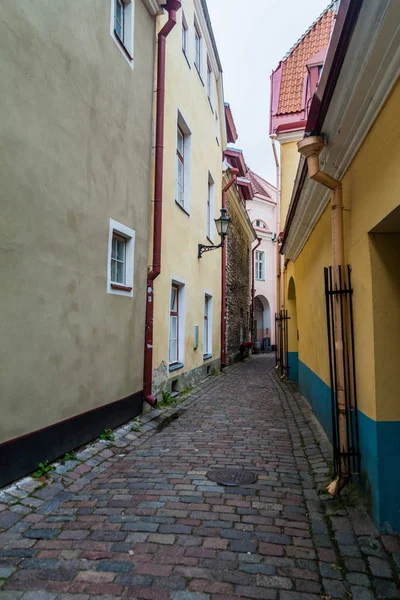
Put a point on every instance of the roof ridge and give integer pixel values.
(331, 6)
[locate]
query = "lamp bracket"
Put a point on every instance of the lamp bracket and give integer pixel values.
(202, 248)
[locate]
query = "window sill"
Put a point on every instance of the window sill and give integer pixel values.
(207, 356)
(187, 60)
(123, 47)
(211, 106)
(118, 286)
(175, 367)
(217, 140)
(210, 240)
(259, 279)
(182, 208)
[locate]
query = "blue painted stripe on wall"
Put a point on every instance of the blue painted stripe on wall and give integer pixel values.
(379, 446)
(318, 394)
(293, 360)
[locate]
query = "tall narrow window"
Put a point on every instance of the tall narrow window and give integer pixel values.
(118, 258)
(122, 16)
(216, 127)
(207, 327)
(197, 48)
(209, 81)
(174, 326)
(185, 35)
(210, 208)
(180, 168)
(205, 337)
(260, 265)
(120, 268)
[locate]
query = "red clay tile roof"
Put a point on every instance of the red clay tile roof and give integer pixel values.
(260, 186)
(230, 125)
(294, 65)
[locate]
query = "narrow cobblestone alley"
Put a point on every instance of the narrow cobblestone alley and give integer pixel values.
(147, 522)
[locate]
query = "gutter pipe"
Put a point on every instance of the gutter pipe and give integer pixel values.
(234, 173)
(253, 288)
(311, 148)
(172, 7)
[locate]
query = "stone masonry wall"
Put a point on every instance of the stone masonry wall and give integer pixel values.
(238, 279)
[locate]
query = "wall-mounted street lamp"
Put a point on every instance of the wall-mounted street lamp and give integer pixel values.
(222, 225)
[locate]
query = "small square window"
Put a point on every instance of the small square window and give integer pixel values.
(121, 244)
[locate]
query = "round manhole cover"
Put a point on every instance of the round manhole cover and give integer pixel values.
(232, 477)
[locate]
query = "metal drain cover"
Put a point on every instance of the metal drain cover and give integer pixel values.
(232, 477)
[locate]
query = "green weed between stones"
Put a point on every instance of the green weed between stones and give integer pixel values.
(107, 435)
(44, 469)
(69, 456)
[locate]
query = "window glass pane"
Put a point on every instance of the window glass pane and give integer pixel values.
(121, 243)
(174, 297)
(173, 339)
(180, 142)
(120, 272)
(119, 19)
(113, 270)
(179, 192)
(114, 248)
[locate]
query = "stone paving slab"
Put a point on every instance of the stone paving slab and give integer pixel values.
(137, 517)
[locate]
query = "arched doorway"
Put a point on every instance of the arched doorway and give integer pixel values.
(293, 335)
(262, 319)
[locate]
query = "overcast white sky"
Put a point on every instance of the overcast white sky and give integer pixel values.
(252, 37)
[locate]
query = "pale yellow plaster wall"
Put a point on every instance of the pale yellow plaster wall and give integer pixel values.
(289, 162)
(75, 151)
(181, 232)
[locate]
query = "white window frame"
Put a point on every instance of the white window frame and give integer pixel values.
(207, 325)
(260, 265)
(210, 227)
(181, 285)
(126, 232)
(198, 46)
(187, 153)
(185, 36)
(210, 88)
(125, 45)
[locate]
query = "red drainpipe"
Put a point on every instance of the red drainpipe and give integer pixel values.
(253, 286)
(172, 7)
(223, 294)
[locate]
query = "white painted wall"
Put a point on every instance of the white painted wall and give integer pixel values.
(265, 211)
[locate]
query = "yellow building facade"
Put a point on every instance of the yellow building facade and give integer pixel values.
(363, 154)
(187, 305)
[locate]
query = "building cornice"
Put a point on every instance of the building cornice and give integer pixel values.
(289, 136)
(370, 69)
(236, 206)
(153, 6)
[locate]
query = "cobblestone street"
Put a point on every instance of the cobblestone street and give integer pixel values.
(139, 518)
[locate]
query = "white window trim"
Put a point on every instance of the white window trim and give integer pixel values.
(207, 351)
(129, 27)
(212, 207)
(181, 283)
(187, 150)
(262, 262)
(129, 234)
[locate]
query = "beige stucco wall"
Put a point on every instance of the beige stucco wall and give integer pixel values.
(75, 151)
(181, 233)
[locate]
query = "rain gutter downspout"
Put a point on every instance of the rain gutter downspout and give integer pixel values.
(234, 173)
(311, 148)
(253, 288)
(172, 7)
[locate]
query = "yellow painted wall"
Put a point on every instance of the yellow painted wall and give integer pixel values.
(182, 233)
(370, 191)
(289, 162)
(291, 306)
